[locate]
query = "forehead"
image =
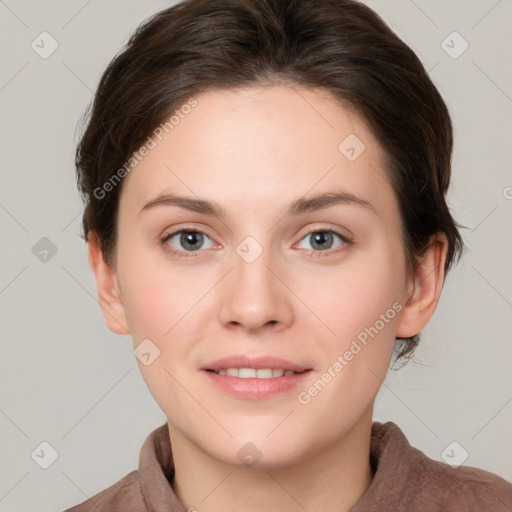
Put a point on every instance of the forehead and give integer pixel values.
(260, 146)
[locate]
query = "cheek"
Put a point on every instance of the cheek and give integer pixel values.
(150, 306)
(158, 296)
(361, 305)
(347, 302)
(160, 306)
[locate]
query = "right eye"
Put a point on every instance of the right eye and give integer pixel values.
(186, 240)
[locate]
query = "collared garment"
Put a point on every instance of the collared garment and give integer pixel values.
(404, 480)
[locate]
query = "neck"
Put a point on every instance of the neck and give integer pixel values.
(333, 479)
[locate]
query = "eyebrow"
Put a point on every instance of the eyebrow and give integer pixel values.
(300, 206)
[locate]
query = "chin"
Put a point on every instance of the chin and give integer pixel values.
(256, 451)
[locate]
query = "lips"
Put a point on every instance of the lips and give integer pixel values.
(255, 378)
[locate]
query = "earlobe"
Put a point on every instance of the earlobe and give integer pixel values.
(107, 286)
(421, 302)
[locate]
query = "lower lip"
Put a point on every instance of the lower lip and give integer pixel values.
(256, 389)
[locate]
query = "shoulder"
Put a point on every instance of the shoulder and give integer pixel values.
(147, 488)
(469, 487)
(123, 496)
(410, 480)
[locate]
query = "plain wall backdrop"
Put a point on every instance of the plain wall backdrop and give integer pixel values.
(68, 381)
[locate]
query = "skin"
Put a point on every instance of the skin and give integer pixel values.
(254, 151)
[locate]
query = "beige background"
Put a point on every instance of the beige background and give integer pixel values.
(66, 380)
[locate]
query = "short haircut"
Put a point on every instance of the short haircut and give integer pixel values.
(341, 46)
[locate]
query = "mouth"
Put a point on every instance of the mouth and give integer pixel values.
(255, 378)
(253, 373)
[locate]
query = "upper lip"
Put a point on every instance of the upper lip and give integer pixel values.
(260, 362)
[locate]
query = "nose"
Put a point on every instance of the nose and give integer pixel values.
(255, 297)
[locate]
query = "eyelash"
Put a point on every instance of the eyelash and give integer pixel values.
(317, 254)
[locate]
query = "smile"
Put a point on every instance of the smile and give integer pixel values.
(252, 373)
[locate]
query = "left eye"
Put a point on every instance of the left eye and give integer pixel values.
(323, 240)
(189, 240)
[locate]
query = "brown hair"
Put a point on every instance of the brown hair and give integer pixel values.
(341, 46)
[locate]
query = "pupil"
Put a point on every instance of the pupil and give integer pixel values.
(188, 239)
(320, 238)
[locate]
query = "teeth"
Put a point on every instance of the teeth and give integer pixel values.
(246, 373)
(251, 373)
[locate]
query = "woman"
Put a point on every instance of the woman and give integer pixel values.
(265, 187)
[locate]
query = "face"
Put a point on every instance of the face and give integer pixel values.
(250, 271)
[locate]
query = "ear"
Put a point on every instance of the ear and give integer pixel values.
(107, 285)
(424, 289)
